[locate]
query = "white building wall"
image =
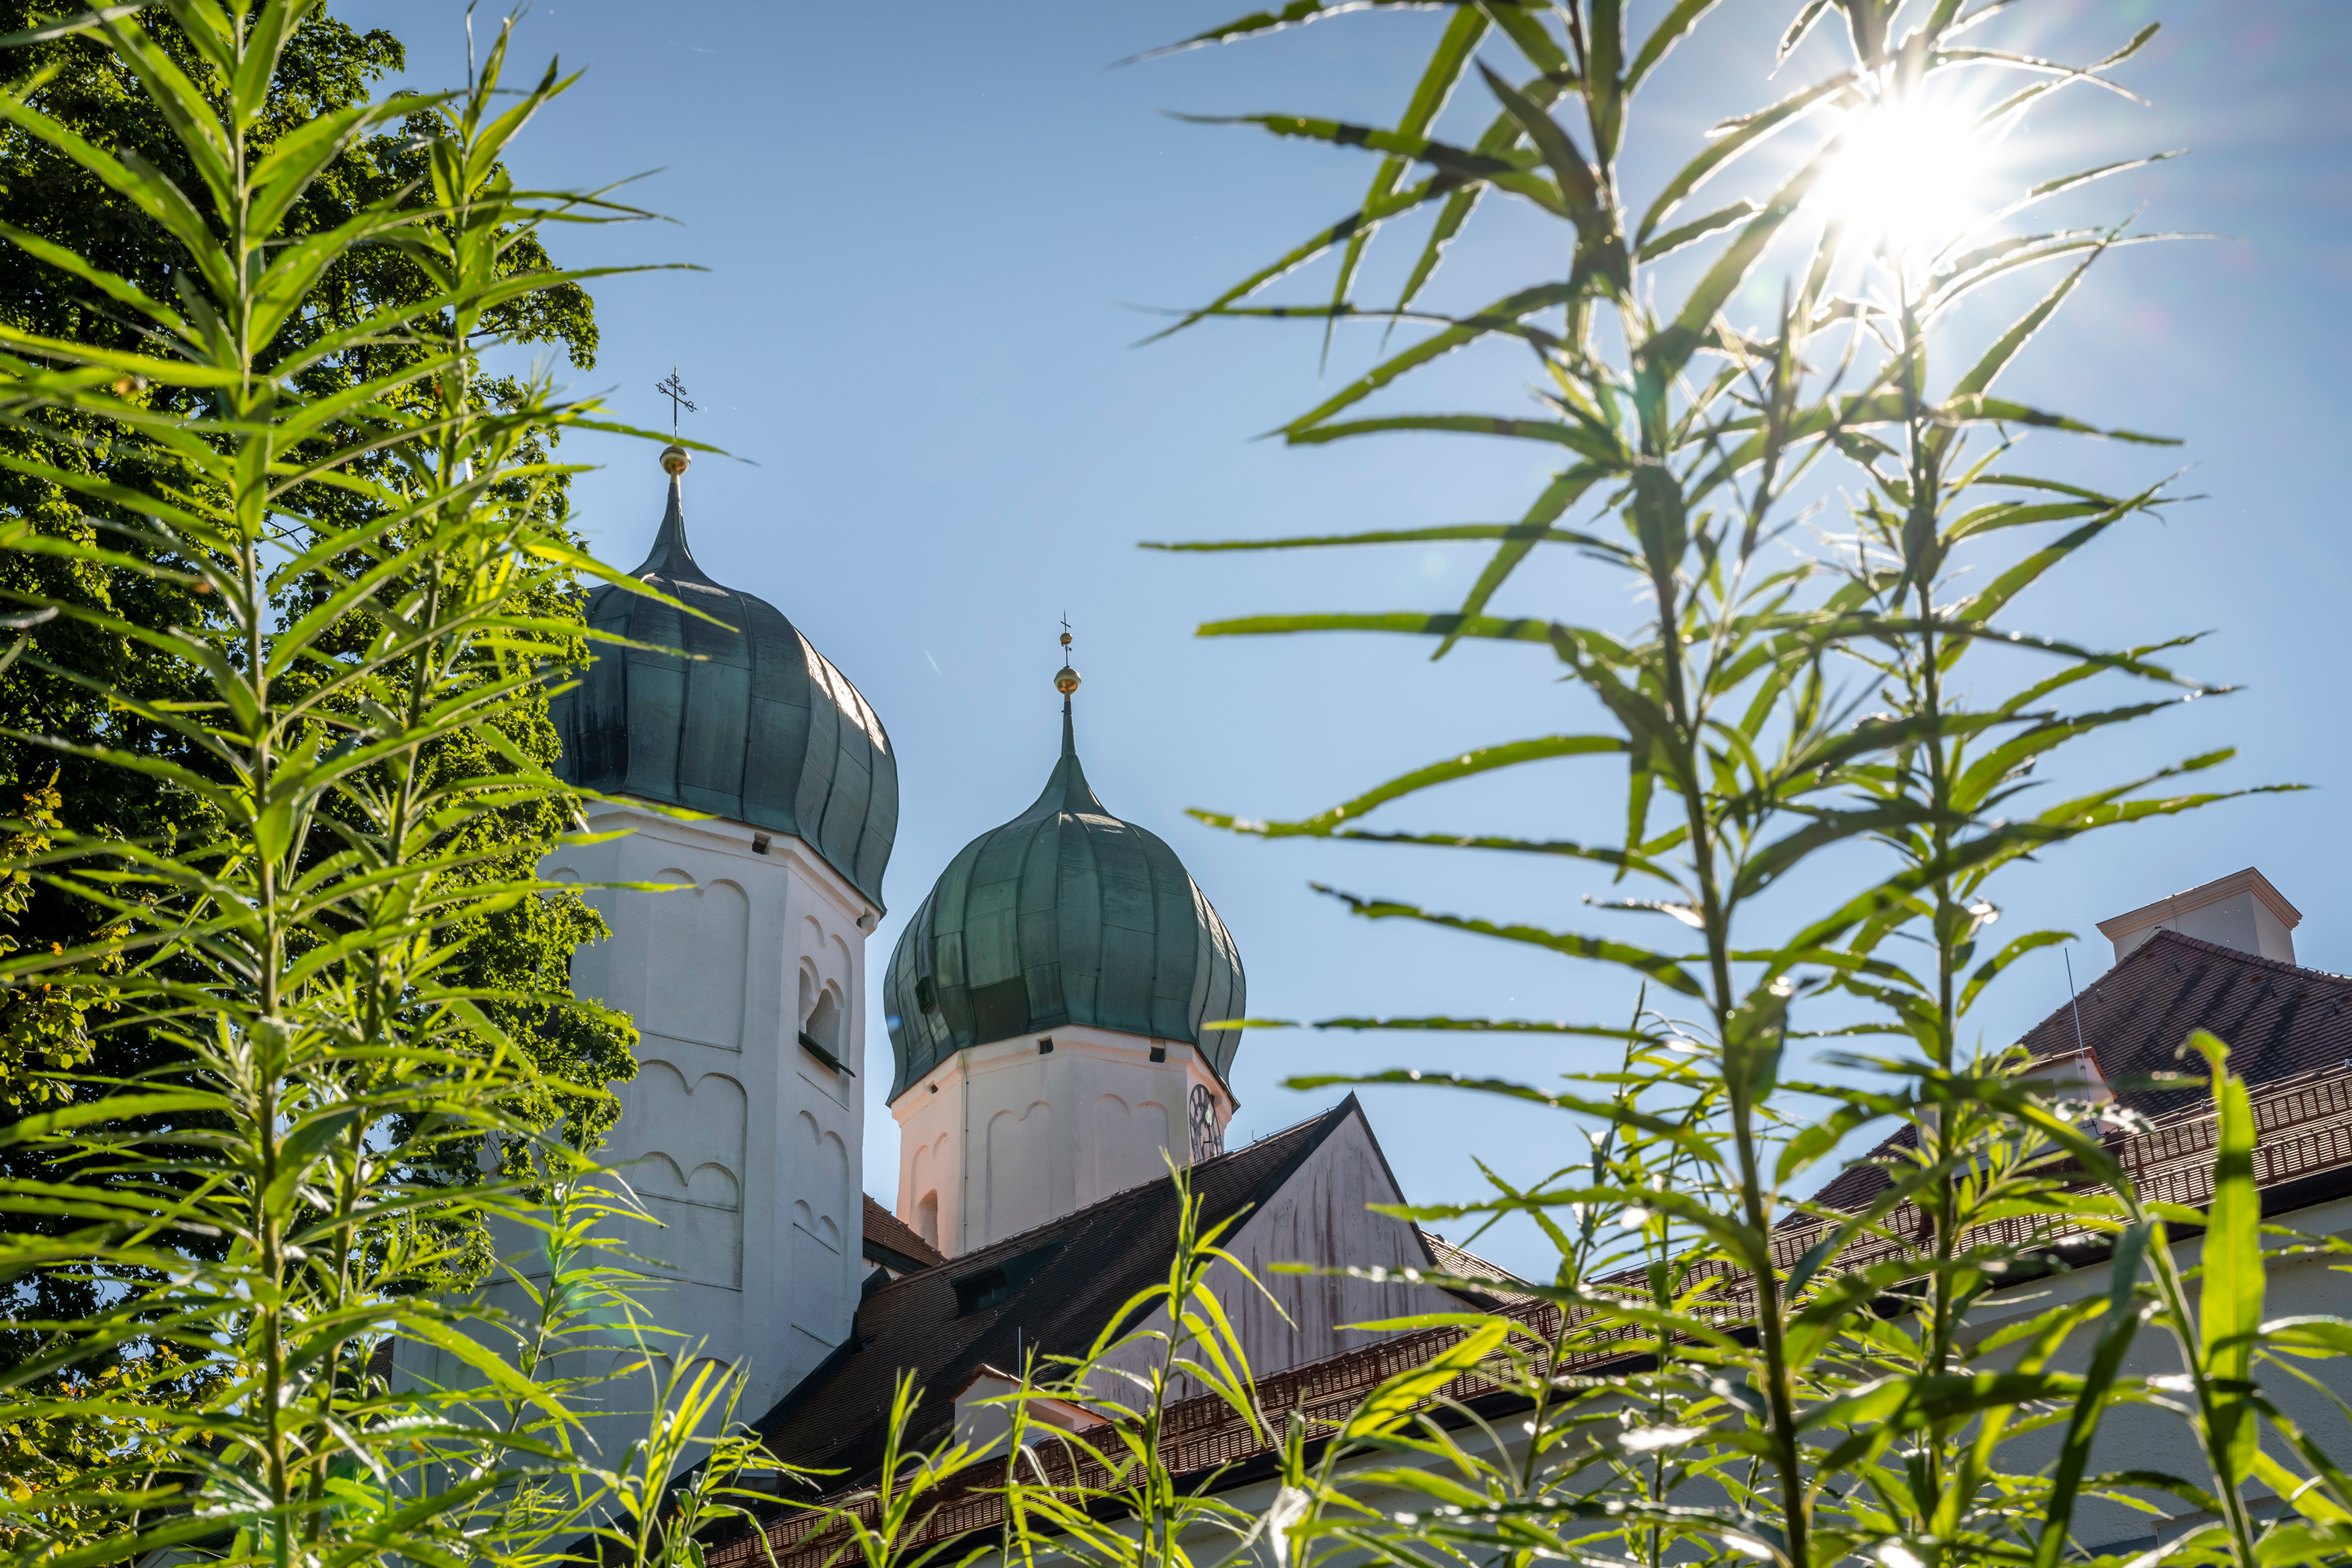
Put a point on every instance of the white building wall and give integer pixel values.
(739, 1140)
(2148, 1437)
(1002, 1138)
(1323, 1214)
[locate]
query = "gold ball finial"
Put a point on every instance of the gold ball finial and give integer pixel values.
(1065, 680)
(674, 460)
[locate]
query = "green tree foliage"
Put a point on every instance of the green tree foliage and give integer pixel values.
(297, 434)
(44, 1030)
(72, 683)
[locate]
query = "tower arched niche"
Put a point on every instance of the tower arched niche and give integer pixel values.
(1020, 1177)
(820, 1262)
(696, 977)
(1128, 1145)
(682, 1148)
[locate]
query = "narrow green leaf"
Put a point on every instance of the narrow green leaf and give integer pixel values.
(2230, 1307)
(1991, 967)
(1470, 764)
(1666, 971)
(1671, 29)
(1438, 78)
(1565, 490)
(1698, 229)
(1297, 14)
(1738, 137)
(2099, 1383)
(1395, 1401)
(1441, 534)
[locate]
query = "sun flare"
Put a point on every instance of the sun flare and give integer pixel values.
(1908, 178)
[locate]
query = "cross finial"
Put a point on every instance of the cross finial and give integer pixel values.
(674, 390)
(1065, 679)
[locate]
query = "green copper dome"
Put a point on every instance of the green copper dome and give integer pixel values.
(1065, 916)
(759, 727)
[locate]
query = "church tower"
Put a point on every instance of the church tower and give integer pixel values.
(1050, 1008)
(742, 1129)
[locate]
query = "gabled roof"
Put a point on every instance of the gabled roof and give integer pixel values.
(892, 1242)
(2277, 1020)
(1060, 1283)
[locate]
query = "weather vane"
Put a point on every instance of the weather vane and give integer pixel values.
(674, 390)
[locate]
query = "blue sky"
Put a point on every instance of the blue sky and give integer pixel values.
(925, 230)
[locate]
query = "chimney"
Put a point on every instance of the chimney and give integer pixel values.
(2241, 911)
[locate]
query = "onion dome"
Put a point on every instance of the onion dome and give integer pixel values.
(756, 725)
(1065, 916)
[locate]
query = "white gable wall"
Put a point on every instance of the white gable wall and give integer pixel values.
(1320, 1215)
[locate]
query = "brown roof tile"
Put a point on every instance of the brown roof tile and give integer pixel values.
(890, 1234)
(2277, 1020)
(1494, 1291)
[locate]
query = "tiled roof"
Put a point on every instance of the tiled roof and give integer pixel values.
(2277, 1020)
(887, 1233)
(1085, 1265)
(1854, 1185)
(1495, 1281)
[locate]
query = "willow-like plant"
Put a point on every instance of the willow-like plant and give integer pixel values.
(1081, 1452)
(274, 1209)
(1123, 1503)
(1788, 692)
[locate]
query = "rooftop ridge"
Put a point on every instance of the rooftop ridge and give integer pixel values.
(2166, 934)
(898, 1235)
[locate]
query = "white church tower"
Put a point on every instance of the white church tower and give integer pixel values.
(742, 1129)
(1051, 1008)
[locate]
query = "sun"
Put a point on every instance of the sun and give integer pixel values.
(1907, 179)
